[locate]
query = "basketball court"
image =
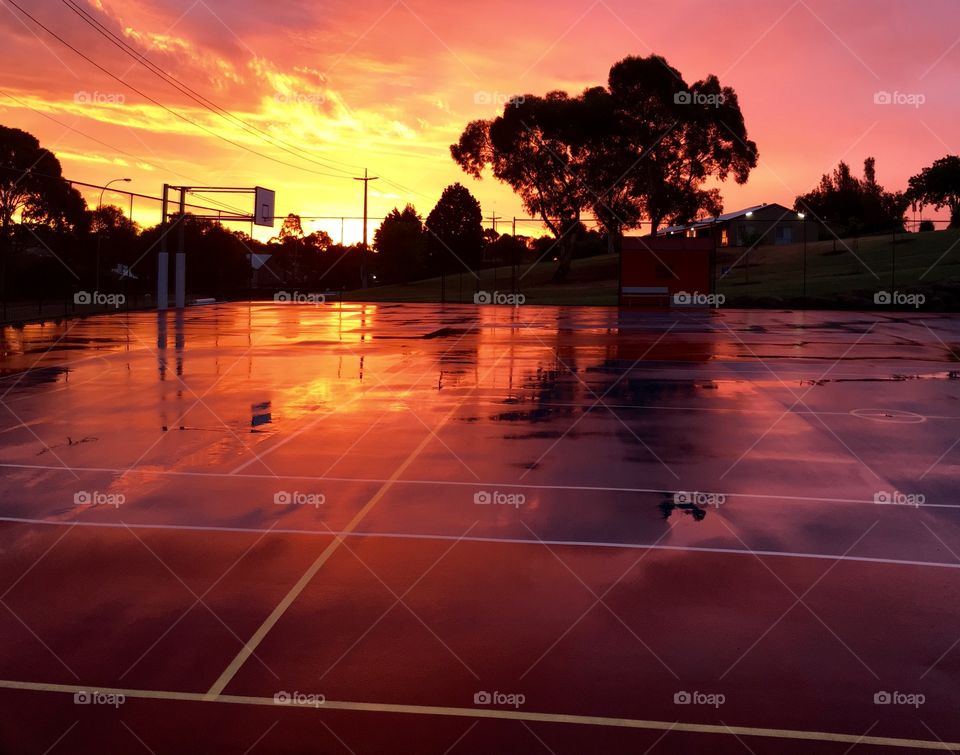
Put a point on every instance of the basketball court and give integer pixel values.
(412, 528)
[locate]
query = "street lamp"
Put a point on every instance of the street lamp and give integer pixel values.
(100, 228)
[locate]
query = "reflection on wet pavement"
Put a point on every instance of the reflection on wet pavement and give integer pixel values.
(799, 420)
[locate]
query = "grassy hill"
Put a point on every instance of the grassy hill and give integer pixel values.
(839, 274)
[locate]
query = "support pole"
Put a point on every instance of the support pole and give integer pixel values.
(163, 258)
(181, 262)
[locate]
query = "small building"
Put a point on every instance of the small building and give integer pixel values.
(767, 224)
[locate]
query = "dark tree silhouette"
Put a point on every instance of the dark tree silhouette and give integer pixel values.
(31, 182)
(399, 243)
(645, 145)
(852, 205)
(938, 185)
(454, 233)
(677, 136)
(529, 148)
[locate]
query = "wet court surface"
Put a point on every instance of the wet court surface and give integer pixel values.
(413, 529)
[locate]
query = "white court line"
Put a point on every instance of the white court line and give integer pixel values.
(460, 483)
(482, 539)
(248, 649)
(494, 713)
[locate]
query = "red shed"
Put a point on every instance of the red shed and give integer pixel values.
(656, 271)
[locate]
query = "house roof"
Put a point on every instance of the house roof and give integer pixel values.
(725, 217)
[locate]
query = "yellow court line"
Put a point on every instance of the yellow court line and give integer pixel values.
(251, 645)
(497, 713)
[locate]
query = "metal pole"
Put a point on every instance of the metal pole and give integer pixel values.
(96, 286)
(163, 258)
(181, 260)
(363, 250)
(804, 260)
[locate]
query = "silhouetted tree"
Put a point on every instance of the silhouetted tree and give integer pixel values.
(647, 144)
(853, 205)
(938, 185)
(31, 180)
(454, 233)
(399, 243)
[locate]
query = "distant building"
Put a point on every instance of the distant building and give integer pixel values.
(760, 224)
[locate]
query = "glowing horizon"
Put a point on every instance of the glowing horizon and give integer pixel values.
(390, 87)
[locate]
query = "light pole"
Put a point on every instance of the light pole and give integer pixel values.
(100, 228)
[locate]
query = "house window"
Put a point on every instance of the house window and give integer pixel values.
(724, 237)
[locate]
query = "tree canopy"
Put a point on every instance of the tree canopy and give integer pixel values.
(938, 185)
(645, 145)
(454, 233)
(853, 205)
(399, 243)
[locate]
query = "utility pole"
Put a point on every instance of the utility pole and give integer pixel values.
(363, 251)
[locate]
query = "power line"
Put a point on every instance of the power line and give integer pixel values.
(160, 104)
(196, 96)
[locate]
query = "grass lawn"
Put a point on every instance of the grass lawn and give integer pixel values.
(840, 274)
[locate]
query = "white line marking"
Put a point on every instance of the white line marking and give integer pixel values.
(290, 597)
(494, 713)
(457, 483)
(482, 539)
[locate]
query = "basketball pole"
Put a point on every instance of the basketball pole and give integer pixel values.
(163, 258)
(181, 261)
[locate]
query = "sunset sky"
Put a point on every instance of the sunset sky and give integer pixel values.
(390, 84)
